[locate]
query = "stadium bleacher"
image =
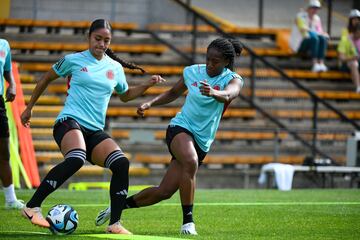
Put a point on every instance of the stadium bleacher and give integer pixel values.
(270, 90)
(28, 25)
(75, 47)
(290, 128)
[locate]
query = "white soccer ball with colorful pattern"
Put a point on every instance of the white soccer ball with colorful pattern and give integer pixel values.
(63, 219)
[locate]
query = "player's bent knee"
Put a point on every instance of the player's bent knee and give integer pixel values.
(76, 157)
(190, 166)
(117, 162)
(76, 161)
(356, 64)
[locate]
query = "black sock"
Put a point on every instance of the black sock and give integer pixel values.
(130, 203)
(119, 165)
(74, 160)
(187, 213)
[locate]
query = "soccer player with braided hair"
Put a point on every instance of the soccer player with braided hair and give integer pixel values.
(211, 87)
(79, 128)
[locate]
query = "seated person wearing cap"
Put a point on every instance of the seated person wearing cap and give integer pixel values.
(307, 35)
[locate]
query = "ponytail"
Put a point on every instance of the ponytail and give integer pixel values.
(125, 64)
(237, 46)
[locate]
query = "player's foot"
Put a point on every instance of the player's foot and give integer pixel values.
(103, 216)
(188, 229)
(17, 204)
(35, 216)
(316, 68)
(323, 67)
(117, 228)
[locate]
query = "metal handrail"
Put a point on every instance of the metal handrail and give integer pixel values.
(272, 66)
(169, 45)
(254, 56)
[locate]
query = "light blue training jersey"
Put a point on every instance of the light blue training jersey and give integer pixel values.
(90, 85)
(5, 62)
(201, 114)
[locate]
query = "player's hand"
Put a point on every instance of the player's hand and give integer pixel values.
(206, 89)
(25, 117)
(141, 109)
(10, 93)
(155, 79)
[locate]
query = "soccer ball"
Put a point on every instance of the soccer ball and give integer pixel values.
(63, 219)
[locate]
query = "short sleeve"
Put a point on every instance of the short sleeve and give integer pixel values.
(121, 86)
(7, 66)
(342, 46)
(235, 75)
(300, 22)
(232, 76)
(186, 73)
(63, 67)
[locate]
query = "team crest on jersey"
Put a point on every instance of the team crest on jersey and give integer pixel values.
(194, 84)
(216, 87)
(110, 74)
(2, 54)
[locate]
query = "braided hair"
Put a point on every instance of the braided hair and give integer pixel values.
(229, 48)
(102, 23)
(111, 54)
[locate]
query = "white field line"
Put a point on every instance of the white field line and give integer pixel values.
(233, 204)
(97, 235)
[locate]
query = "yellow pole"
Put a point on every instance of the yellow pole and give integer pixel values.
(15, 160)
(4, 8)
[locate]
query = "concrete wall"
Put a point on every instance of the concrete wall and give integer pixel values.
(140, 11)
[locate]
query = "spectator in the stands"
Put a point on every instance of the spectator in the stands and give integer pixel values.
(354, 19)
(349, 48)
(307, 36)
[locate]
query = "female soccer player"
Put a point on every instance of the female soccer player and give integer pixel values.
(211, 88)
(11, 202)
(92, 76)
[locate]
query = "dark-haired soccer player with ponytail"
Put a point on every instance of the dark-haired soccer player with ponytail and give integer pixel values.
(92, 77)
(211, 87)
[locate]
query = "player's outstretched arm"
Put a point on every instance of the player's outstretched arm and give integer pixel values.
(231, 91)
(136, 91)
(39, 89)
(176, 91)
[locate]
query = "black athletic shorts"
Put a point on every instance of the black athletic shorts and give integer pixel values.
(173, 130)
(4, 125)
(92, 138)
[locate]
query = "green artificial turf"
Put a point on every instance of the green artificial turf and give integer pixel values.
(219, 214)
